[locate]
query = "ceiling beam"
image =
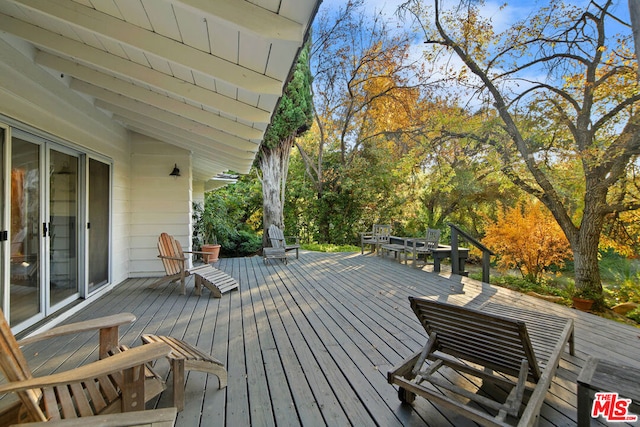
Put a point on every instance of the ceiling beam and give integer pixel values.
(173, 51)
(167, 137)
(225, 140)
(195, 142)
(130, 70)
(138, 93)
(248, 17)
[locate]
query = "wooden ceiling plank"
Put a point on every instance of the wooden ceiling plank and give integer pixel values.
(248, 17)
(129, 70)
(143, 117)
(181, 139)
(122, 108)
(147, 96)
(153, 43)
(122, 103)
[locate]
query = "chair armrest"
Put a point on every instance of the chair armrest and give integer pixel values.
(107, 322)
(175, 258)
(149, 417)
(196, 252)
(136, 356)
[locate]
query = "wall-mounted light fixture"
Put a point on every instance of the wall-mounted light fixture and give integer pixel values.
(175, 171)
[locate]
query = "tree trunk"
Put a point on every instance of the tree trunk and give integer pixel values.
(274, 164)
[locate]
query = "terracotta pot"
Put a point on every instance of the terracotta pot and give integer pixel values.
(213, 251)
(582, 303)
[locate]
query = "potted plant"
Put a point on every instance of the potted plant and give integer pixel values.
(211, 251)
(583, 299)
(204, 234)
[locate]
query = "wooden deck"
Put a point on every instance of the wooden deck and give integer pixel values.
(310, 343)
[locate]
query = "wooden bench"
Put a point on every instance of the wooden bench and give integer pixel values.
(395, 244)
(443, 251)
(509, 347)
(217, 281)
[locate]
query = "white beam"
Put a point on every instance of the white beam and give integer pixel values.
(126, 69)
(248, 17)
(195, 142)
(224, 139)
(129, 90)
(217, 164)
(136, 37)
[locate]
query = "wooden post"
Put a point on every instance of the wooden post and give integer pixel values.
(486, 265)
(455, 261)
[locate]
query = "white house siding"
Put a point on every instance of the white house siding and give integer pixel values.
(159, 202)
(146, 200)
(43, 102)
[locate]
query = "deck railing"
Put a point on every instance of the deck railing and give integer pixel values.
(486, 252)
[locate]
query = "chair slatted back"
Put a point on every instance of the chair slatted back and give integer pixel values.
(15, 368)
(493, 341)
(171, 248)
(381, 233)
(432, 239)
(276, 236)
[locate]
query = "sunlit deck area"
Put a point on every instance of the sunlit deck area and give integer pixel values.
(310, 342)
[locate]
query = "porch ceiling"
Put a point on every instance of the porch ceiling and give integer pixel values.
(204, 75)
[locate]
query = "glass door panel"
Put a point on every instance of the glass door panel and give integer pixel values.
(25, 291)
(63, 226)
(3, 226)
(99, 235)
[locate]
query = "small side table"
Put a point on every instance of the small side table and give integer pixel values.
(599, 375)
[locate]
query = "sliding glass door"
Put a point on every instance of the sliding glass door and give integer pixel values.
(44, 228)
(55, 226)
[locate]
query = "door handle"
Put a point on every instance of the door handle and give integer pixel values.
(45, 229)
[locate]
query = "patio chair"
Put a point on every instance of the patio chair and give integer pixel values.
(279, 240)
(120, 382)
(175, 266)
(379, 235)
(491, 347)
(422, 247)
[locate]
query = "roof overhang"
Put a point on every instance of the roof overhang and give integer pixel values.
(204, 75)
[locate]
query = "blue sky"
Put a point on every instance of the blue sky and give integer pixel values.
(501, 15)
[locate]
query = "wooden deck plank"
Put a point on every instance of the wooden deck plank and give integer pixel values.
(309, 342)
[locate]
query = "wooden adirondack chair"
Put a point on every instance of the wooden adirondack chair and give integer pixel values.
(173, 260)
(493, 345)
(422, 247)
(378, 236)
(120, 382)
(175, 265)
(279, 240)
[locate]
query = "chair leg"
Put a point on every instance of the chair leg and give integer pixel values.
(177, 367)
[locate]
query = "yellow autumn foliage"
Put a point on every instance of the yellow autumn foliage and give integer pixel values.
(527, 238)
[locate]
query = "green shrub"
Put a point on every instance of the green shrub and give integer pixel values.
(327, 247)
(634, 315)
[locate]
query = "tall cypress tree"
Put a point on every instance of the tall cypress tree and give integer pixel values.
(292, 118)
